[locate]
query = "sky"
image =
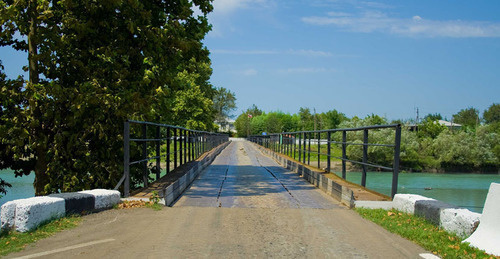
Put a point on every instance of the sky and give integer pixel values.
(358, 57)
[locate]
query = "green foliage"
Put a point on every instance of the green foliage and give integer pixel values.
(94, 65)
(418, 230)
(243, 122)
(492, 114)
(224, 104)
(430, 129)
(433, 117)
(155, 197)
(467, 117)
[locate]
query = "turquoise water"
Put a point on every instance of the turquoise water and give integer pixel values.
(463, 190)
(22, 187)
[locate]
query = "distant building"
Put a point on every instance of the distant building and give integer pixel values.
(227, 125)
(448, 124)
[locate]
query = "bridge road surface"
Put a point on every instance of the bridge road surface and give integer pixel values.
(243, 205)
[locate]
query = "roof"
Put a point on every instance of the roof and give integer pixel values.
(449, 124)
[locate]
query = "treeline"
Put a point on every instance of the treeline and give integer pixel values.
(92, 65)
(427, 146)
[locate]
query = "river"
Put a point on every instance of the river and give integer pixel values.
(464, 190)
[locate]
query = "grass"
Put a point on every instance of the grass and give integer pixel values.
(14, 241)
(425, 234)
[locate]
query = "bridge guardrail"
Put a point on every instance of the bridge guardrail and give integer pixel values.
(298, 145)
(187, 146)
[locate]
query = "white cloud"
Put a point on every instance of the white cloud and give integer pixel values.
(298, 52)
(245, 52)
(224, 10)
(310, 53)
(248, 72)
(306, 70)
(230, 6)
(374, 21)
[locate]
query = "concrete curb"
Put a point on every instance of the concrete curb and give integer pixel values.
(27, 214)
(174, 190)
(459, 221)
(337, 191)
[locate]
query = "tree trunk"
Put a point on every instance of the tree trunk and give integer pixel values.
(41, 177)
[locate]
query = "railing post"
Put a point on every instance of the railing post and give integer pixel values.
(175, 147)
(168, 150)
(186, 149)
(300, 146)
(319, 149)
(294, 146)
(344, 153)
(365, 157)
(395, 172)
(158, 157)
(145, 174)
(126, 158)
(328, 147)
(304, 149)
(309, 149)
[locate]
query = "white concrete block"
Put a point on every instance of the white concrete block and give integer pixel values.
(386, 205)
(406, 202)
(487, 235)
(32, 212)
(8, 214)
(104, 199)
(462, 222)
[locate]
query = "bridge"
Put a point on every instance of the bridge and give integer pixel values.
(244, 204)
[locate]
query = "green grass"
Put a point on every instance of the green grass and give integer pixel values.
(425, 234)
(14, 241)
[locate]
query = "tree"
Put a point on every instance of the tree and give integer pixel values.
(492, 114)
(433, 117)
(306, 119)
(243, 122)
(224, 104)
(332, 119)
(467, 117)
(430, 128)
(93, 65)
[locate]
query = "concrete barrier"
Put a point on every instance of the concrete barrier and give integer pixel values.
(487, 235)
(27, 214)
(174, 190)
(104, 199)
(453, 219)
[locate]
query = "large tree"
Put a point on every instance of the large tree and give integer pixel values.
(467, 117)
(92, 65)
(224, 104)
(492, 114)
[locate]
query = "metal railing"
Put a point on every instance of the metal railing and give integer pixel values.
(298, 145)
(182, 146)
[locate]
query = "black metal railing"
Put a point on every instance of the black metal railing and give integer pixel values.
(298, 145)
(181, 146)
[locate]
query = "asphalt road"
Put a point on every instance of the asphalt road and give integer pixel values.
(243, 205)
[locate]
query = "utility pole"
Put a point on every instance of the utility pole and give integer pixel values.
(314, 119)
(416, 122)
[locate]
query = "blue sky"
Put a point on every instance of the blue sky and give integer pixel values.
(359, 57)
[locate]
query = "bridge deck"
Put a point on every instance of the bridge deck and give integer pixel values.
(241, 176)
(266, 211)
